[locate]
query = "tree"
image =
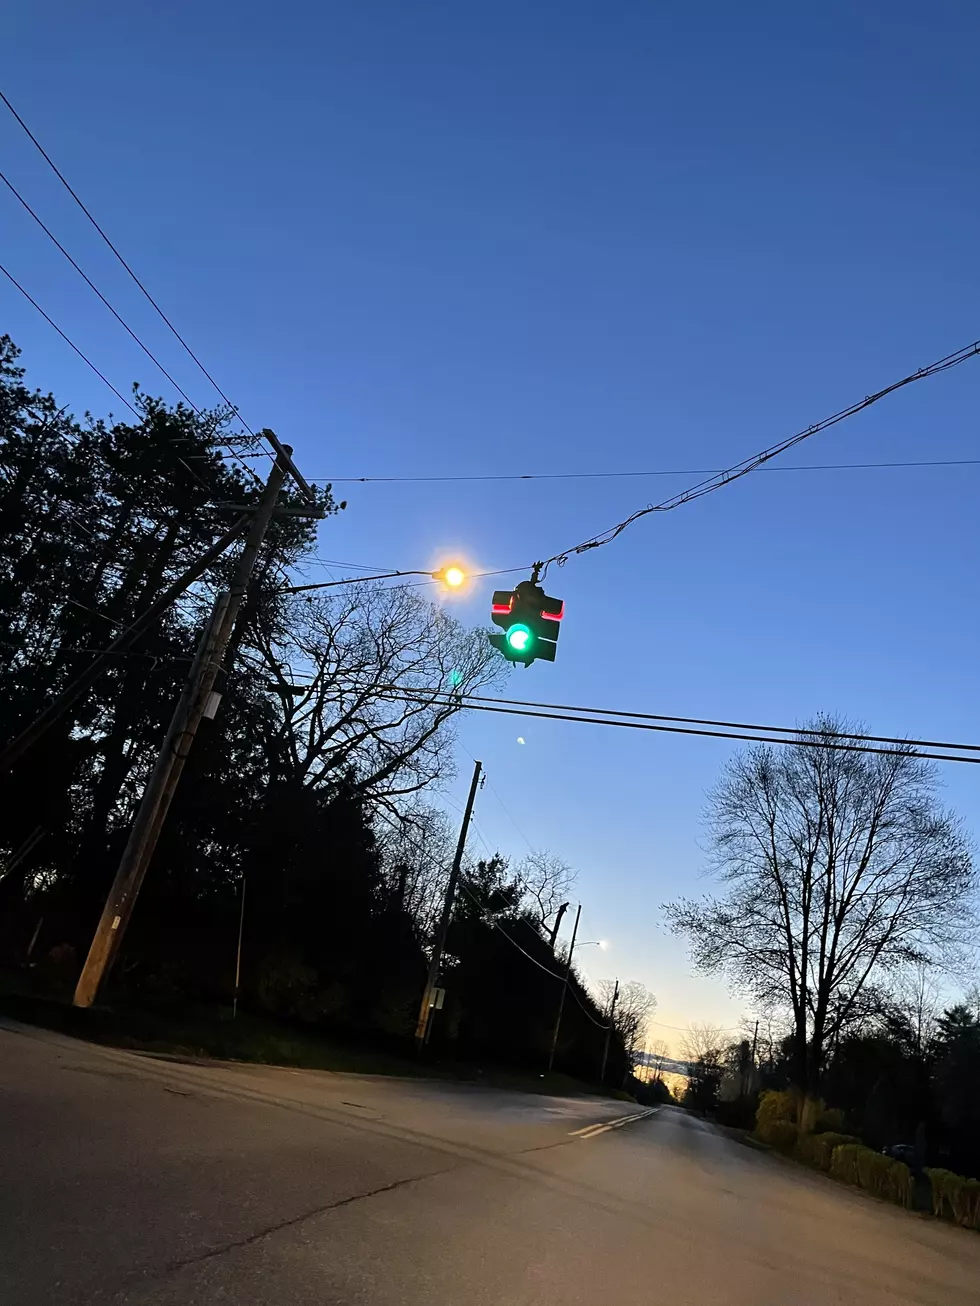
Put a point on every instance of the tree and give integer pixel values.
(956, 1075)
(634, 1007)
(546, 883)
(354, 684)
(702, 1048)
(841, 870)
(658, 1053)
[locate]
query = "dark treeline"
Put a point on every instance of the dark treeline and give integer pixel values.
(308, 789)
(906, 1074)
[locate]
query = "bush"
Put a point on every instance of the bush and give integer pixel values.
(854, 1164)
(775, 1105)
(830, 1121)
(818, 1149)
(780, 1134)
(955, 1197)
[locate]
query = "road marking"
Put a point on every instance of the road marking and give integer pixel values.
(604, 1126)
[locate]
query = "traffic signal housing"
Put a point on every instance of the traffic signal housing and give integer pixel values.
(531, 622)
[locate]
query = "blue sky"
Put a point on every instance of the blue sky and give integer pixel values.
(432, 239)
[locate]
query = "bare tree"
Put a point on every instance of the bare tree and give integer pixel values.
(352, 679)
(634, 1007)
(702, 1047)
(703, 1042)
(417, 852)
(546, 884)
(841, 869)
(658, 1054)
(918, 1000)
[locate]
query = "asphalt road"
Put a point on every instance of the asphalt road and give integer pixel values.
(126, 1179)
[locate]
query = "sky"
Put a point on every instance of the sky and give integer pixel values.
(437, 239)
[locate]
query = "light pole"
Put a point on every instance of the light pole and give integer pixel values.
(609, 1030)
(598, 943)
(452, 575)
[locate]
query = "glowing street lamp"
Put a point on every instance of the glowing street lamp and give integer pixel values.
(452, 576)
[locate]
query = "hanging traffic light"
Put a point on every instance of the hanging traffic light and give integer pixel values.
(530, 621)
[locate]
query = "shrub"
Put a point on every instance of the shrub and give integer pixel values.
(774, 1105)
(818, 1149)
(854, 1164)
(955, 1197)
(780, 1134)
(830, 1121)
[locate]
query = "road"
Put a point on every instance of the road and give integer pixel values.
(129, 1179)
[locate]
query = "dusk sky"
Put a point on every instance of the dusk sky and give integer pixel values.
(433, 239)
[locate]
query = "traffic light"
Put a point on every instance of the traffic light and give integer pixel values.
(530, 621)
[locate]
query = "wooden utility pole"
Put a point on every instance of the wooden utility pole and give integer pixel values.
(159, 791)
(609, 1030)
(564, 990)
(447, 912)
(238, 951)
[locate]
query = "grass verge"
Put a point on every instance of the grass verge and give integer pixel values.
(210, 1033)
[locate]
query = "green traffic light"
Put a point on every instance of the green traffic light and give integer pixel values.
(519, 638)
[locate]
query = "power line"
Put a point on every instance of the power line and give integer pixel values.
(598, 476)
(70, 343)
(441, 697)
(792, 731)
(269, 436)
(92, 286)
(602, 1024)
(790, 734)
(507, 814)
(686, 1029)
(67, 185)
(747, 465)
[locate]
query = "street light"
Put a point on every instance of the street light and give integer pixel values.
(598, 943)
(452, 575)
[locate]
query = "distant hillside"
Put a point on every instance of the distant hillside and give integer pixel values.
(669, 1065)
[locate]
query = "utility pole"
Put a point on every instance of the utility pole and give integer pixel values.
(159, 791)
(238, 952)
(609, 1030)
(564, 990)
(447, 911)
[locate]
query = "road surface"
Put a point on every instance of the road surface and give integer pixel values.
(128, 1179)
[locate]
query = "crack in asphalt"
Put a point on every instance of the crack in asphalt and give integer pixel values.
(174, 1267)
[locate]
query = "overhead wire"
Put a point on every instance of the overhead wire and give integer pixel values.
(751, 464)
(67, 185)
(92, 286)
(441, 697)
(631, 475)
(69, 342)
(269, 436)
(792, 731)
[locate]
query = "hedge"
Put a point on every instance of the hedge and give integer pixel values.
(818, 1149)
(854, 1164)
(781, 1134)
(955, 1196)
(831, 1121)
(774, 1105)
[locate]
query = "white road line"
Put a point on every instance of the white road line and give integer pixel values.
(603, 1126)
